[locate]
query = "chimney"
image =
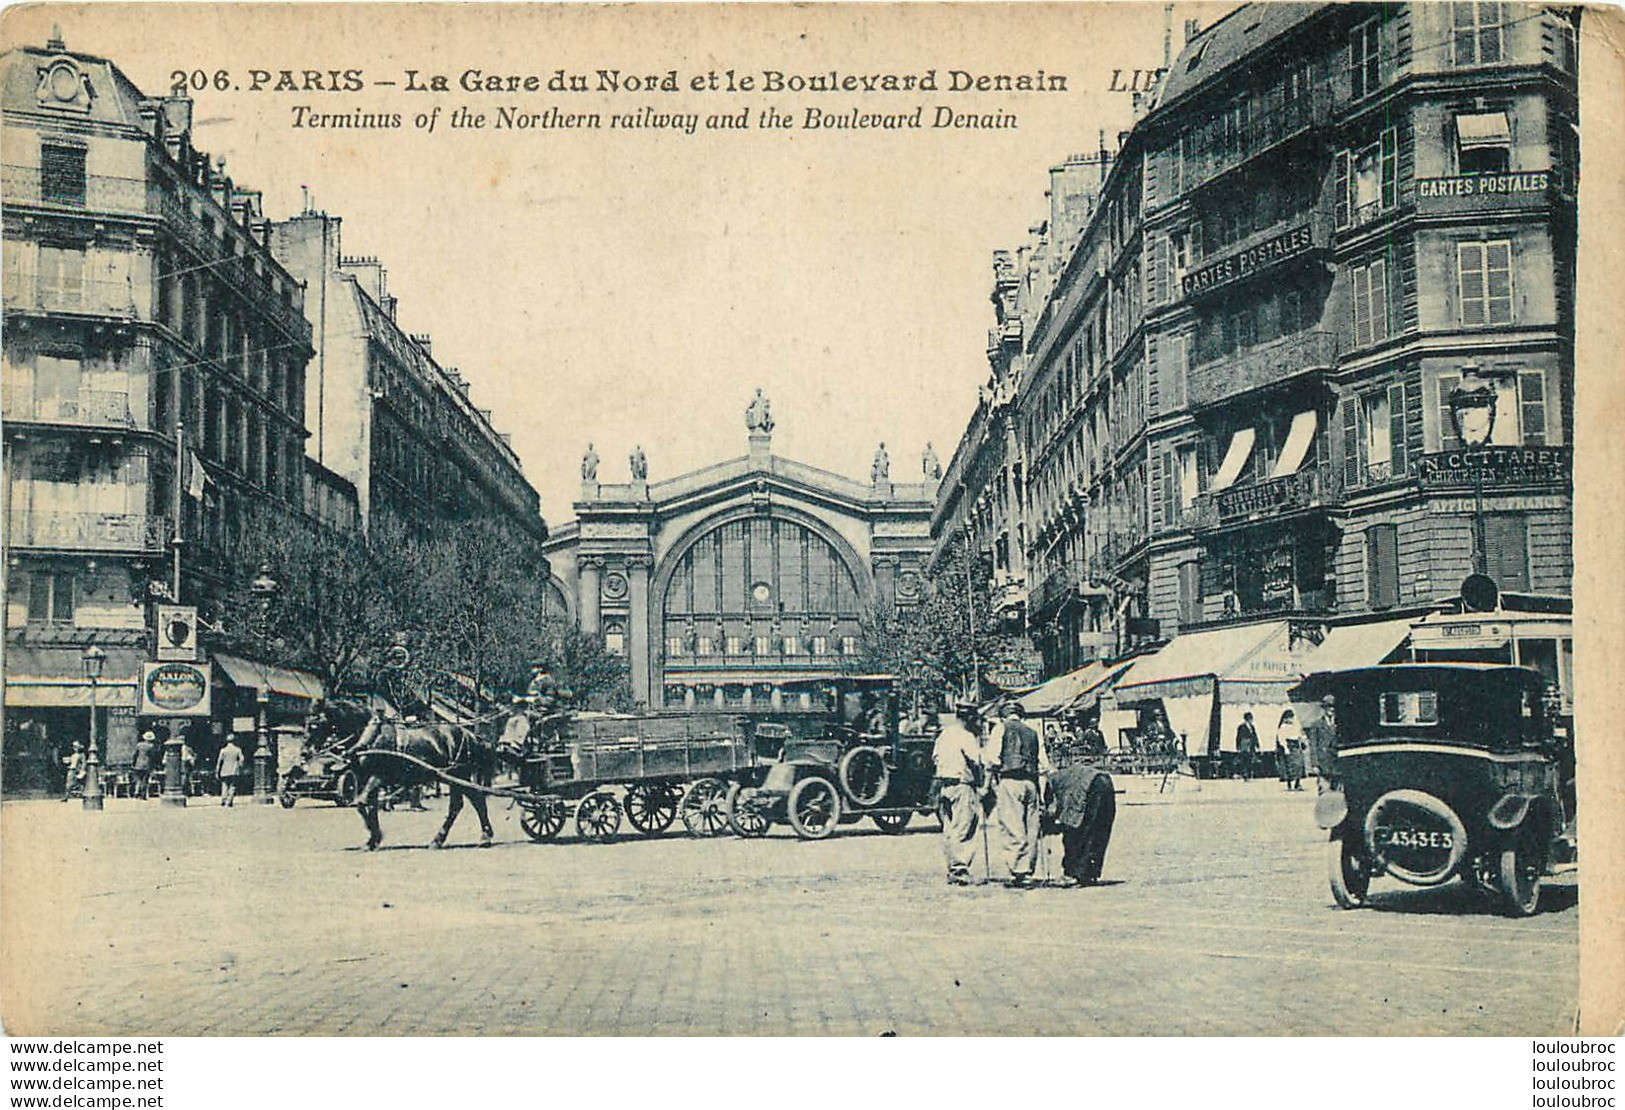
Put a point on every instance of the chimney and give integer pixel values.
(426, 343)
(1193, 27)
(1167, 36)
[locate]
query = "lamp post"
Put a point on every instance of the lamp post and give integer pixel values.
(264, 587)
(1472, 408)
(94, 659)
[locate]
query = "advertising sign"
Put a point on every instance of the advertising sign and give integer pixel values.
(177, 633)
(175, 690)
(1278, 249)
(1498, 467)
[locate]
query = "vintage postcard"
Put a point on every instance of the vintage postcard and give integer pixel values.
(780, 520)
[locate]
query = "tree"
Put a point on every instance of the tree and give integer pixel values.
(939, 641)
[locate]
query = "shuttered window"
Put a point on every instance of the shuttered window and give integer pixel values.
(1382, 566)
(1190, 592)
(1506, 550)
(1485, 278)
(62, 175)
(1341, 183)
(1532, 407)
(1370, 303)
(1365, 59)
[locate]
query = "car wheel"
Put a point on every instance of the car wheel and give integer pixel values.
(1522, 865)
(814, 808)
(1349, 878)
(287, 797)
(744, 818)
(702, 807)
(348, 788)
(864, 775)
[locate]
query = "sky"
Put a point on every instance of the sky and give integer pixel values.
(631, 287)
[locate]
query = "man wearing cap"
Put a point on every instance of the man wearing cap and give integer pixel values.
(1016, 794)
(1323, 745)
(957, 755)
(141, 762)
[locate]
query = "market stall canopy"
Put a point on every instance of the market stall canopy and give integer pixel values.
(1358, 645)
(1075, 690)
(265, 676)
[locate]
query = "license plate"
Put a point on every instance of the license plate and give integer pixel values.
(1415, 838)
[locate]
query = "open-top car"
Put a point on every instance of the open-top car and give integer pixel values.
(1444, 770)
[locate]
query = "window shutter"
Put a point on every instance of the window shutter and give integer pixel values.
(1341, 181)
(1379, 300)
(1532, 406)
(1390, 167)
(1448, 439)
(1362, 305)
(1170, 496)
(1506, 550)
(1470, 283)
(1396, 429)
(1351, 441)
(1382, 566)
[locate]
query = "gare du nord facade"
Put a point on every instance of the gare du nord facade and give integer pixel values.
(1287, 364)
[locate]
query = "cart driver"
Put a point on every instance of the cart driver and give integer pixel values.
(542, 691)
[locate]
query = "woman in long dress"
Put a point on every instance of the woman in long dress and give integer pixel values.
(1289, 755)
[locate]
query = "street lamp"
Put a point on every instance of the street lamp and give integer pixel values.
(1472, 408)
(264, 587)
(93, 659)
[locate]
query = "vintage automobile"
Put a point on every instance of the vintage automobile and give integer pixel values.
(1446, 769)
(859, 767)
(320, 771)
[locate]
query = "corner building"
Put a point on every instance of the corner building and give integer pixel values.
(1234, 402)
(142, 304)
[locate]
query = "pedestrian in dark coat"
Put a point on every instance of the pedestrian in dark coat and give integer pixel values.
(1083, 801)
(1323, 746)
(1247, 745)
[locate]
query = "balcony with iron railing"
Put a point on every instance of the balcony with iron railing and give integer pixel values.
(79, 531)
(1210, 153)
(23, 185)
(1373, 475)
(271, 291)
(1312, 487)
(1242, 371)
(85, 296)
(89, 408)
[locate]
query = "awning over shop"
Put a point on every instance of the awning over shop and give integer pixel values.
(1193, 662)
(1074, 691)
(1299, 438)
(1235, 458)
(45, 677)
(1358, 645)
(1484, 129)
(264, 676)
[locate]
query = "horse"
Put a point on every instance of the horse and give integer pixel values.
(454, 750)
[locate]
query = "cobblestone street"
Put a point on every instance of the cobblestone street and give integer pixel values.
(1216, 920)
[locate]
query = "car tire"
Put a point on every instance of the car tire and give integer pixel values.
(1522, 865)
(814, 807)
(864, 775)
(348, 788)
(743, 818)
(1350, 881)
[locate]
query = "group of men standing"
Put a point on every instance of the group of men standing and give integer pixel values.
(1009, 778)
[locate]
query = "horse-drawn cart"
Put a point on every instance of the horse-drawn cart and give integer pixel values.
(653, 769)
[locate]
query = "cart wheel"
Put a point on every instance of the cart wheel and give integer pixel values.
(598, 817)
(704, 807)
(652, 808)
(1350, 879)
(814, 808)
(864, 775)
(1522, 864)
(542, 821)
(891, 823)
(743, 816)
(348, 788)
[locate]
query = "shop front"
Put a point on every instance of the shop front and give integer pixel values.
(48, 701)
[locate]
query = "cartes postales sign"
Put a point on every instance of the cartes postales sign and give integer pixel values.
(1249, 261)
(175, 690)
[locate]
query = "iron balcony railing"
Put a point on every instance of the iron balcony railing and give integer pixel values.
(92, 296)
(133, 532)
(1211, 151)
(23, 185)
(1308, 488)
(89, 407)
(1242, 371)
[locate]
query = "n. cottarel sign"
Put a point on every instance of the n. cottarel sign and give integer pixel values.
(1497, 467)
(1250, 261)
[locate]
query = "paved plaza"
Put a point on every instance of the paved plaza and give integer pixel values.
(1216, 920)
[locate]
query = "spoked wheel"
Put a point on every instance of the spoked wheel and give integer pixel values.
(348, 788)
(286, 796)
(891, 823)
(542, 821)
(1349, 876)
(864, 775)
(704, 807)
(743, 816)
(598, 817)
(814, 808)
(652, 808)
(1522, 865)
